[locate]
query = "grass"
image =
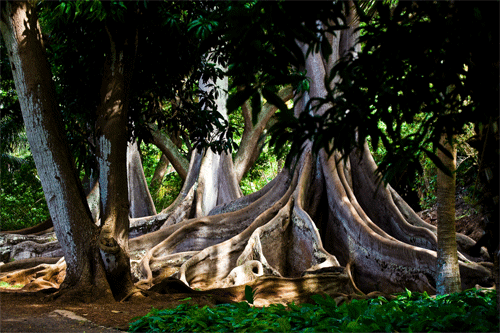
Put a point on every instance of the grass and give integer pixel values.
(7, 285)
(469, 311)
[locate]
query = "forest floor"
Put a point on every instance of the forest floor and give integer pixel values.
(468, 219)
(31, 312)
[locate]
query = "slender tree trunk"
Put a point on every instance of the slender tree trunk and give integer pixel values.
(112, 137)
(169, 149)
(161, 169)
(253, 136)
(448, 273)
(72, 219)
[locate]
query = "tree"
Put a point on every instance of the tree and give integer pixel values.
(63, 191)
(322, 225)
(448, 278)
(112, 119)
(137, 185)
(433, 79)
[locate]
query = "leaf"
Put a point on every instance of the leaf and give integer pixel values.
(236, 100)
(408, 293)
(437, 161)
(326, 48)
(274, 99)
(249, 294)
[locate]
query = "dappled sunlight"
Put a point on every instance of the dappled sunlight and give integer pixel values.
(232, 110)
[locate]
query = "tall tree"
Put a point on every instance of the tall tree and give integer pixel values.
(323, 224)
(68, 208)
(112, 138)
(448, 277)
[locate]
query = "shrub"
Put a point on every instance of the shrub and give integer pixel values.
(469, 311)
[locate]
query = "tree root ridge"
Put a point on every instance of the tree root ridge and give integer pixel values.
(38, 277)
(287, 244)
(274, 240)
(16, 247)
(269, 289)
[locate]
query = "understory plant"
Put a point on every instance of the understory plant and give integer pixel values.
(469, 311)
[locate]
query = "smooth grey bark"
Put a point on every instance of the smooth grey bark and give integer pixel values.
(72, 219)
(161, 169)
(217, 182)
(141, 202)
(253, 136)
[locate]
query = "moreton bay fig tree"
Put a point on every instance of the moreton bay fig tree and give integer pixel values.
(324, 224)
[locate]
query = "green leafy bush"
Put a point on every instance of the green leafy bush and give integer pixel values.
(21, 194)
(166, 192)
(468, 311)
(424, 183)
(262, 172)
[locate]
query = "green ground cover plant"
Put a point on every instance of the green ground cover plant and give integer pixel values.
(469, 311)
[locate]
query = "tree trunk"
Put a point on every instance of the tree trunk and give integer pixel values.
(448, 273)
(253, 136)
(328, 214)
(112, 140)
(161, 169)
(168, 147)
(72, 219)
(141, 202)
(321, 226)
(217, 183)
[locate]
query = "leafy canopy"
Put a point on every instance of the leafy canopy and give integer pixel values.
(430, 63)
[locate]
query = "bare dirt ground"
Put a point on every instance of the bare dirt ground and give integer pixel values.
(31, 312)
(468, 220)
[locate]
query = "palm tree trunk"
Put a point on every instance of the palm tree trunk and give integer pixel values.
(448, 273)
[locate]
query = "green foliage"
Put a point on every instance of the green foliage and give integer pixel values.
(249, 294)
(469, 311)
(424, 182)
(429, 59)
(166, 192)
(21, 195)
(6, 285)
(263, 171)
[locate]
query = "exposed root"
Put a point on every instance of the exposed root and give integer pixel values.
(208, 267)
(348, 270)
(464, 242)
(37, 278)
(135, 293)
(37, 229)
(27, 263)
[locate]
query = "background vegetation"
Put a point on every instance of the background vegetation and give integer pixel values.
(23, 203)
